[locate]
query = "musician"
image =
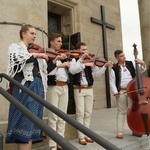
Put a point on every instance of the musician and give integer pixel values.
(29, 69)
(83, 74)
(121, 74)
(57, 93)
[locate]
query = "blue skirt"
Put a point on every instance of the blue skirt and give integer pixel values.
(20, 128)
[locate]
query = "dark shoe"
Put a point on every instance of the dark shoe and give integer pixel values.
(119, 136)
(136, 134)
(53, 148)
(59, 148)
(82, 141)
(89, 140)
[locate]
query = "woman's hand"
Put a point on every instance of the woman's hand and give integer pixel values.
(41, 55)
(44, 56)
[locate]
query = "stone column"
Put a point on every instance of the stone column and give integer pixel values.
(144, 13)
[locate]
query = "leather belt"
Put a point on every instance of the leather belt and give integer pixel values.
(60, 83)
(82, 87)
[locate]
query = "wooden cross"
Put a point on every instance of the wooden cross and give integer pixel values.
(105, 25)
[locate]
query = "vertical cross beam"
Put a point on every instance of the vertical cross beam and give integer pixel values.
(105, 25)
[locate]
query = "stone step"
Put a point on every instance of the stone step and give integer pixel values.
(128, 143)
(140, 144)
(104, 124)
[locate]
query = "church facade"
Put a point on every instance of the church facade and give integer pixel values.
(144, 15)
(96, 22)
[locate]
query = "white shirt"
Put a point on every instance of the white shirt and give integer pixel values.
(125, 77)
(78, 66)
(61, 73)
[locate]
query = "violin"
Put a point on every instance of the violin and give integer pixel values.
(70, 53)
(98, 61)
(35, 48)
(76, 53)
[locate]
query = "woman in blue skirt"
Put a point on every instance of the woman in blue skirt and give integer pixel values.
(29, 69)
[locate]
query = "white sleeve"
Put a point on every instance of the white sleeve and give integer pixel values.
(76, 66)
(98, 71)
(113, 82)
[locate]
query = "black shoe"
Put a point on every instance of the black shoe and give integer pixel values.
(59, 148)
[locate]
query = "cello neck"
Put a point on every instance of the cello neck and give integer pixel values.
(138, 74)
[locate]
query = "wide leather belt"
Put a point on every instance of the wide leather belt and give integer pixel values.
(60, 83)
(82, 87)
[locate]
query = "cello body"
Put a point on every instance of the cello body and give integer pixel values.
(136, 112)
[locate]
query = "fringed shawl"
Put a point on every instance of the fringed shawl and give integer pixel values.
(17, 57)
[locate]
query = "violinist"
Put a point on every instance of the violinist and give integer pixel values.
(57, 93)
(29, 69)
(83, 74)
(121, 74)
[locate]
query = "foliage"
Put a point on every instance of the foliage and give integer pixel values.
(65, 42)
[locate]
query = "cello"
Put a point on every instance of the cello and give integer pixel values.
(138, 89)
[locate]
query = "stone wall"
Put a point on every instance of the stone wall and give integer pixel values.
(91, 33)
(144, 13)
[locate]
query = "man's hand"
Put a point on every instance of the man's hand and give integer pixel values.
(61, 57)
(139, 61)
(116, 95)
(64, 65)
(90, 64)
(85, 55)
(109, 63)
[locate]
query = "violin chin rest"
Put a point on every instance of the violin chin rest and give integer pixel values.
(142, 102)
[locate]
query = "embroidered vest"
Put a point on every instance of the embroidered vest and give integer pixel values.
(88, 75)
(117, 71)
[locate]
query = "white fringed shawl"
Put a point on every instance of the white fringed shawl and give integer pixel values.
(17, 57)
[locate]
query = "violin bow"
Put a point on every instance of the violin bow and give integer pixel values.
(136, 90)
(69, 47)
(98, 49)
(43, 41)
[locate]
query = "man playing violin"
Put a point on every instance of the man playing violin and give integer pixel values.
(57, 93)
(83, 74)
(121, 74)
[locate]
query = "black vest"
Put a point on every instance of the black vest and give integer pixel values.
(88, 74)
(117, 71)
(52, 78)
